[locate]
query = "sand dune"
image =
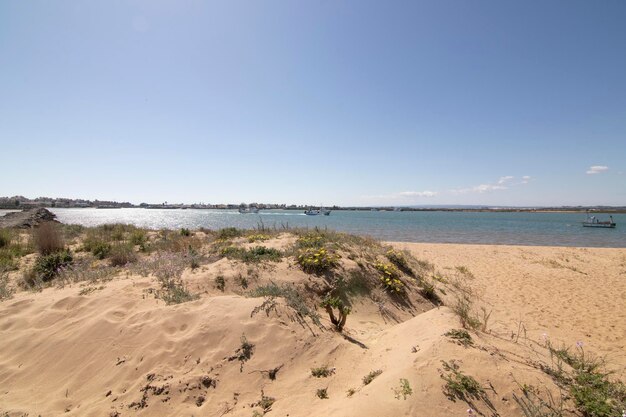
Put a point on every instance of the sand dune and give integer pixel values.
(117, 350)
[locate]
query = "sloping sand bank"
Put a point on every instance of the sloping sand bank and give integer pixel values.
(568, 294)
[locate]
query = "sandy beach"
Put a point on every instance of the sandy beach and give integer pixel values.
(93, 347)
(569, 294)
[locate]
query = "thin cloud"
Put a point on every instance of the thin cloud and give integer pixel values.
(484, 188)
(403, 196)
(418, 193)
(525, 179)
(597, 169)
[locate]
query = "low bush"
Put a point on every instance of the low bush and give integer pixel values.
(330, 304)
(6, 237)
(138, 237)
(399, 259)
(48, 238)
(100, 249)
(390, 277)
(229, 233)
(310, 240)
(252, 255)
(594, 394)
(317, 260)
(46, 267)
(122, 254)
(173, 291)
(185, 232)
(259, 237)
(7, 261)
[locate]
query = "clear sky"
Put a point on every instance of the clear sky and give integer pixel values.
(315, 102)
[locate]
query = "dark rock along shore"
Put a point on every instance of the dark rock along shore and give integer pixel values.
(27, 219)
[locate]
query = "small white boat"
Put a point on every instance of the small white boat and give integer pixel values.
(593, 221)
(247, 210)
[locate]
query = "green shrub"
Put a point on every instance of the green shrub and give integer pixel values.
(317, 260)
(46, 267)
(390, 277)
(185, 232)
(460, 386)
(173, 291)
(399, 259)
(252, 255)
(594, 394)
(122, 254)
(322, 393)
(100, 249)
(7, 263)
(229, 233)
(404, 390)
(5, 238)
(139, 238)
(332, 303)
(310, 240)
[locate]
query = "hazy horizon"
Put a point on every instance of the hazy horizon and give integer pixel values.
(349, 103)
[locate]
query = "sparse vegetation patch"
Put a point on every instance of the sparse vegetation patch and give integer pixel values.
(404, 390)
(322, 372)
(322, 393)
(460, 336)
(367, 379)
(291, 296)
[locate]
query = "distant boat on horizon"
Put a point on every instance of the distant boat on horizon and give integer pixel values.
(317, 212)
(248, 210)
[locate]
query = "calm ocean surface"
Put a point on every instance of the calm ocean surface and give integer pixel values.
(549, 229)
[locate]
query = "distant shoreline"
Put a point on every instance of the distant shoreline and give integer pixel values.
(401, 209)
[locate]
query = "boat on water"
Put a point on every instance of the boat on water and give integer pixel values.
(317, 212)
(593, 221)
(248, 210)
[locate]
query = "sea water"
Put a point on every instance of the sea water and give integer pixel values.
(514, 228)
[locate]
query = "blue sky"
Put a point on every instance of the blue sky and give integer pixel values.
(332, 102)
